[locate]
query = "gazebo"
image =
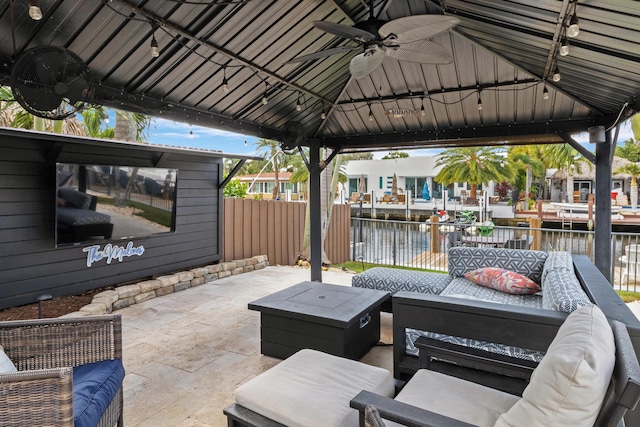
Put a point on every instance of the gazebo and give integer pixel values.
(345, 75)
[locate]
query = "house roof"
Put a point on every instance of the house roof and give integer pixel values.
(265, 176)
(587, 171)
(504, 53)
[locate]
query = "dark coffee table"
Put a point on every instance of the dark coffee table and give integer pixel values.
(340, 320)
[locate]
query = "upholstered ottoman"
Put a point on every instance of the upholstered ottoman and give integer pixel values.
(310, 388)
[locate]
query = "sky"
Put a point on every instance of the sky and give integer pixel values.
(172, 133)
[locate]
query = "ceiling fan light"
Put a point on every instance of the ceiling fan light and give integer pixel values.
(34, 10)
(556, 75)
(574, 28)
(545, 93)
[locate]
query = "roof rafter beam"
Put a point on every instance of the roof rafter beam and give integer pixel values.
(259, 69)
(413, 95)
(498, 134)
(579, 148)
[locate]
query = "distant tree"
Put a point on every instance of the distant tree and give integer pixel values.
(235, 188)
(270, 149)
(357, 156)
(629, 150)
(475, 165)
(396, 155)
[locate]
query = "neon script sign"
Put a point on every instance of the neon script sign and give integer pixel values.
(111, 252)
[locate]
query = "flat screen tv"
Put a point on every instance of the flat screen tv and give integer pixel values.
(98, 202)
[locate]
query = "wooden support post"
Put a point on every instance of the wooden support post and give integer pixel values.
(435, 234)
(534, 227)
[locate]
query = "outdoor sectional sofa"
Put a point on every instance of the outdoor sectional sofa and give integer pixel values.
(77, 217)
(452, 311)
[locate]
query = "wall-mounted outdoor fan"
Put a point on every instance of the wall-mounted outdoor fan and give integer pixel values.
(404, 39)
(51, 82)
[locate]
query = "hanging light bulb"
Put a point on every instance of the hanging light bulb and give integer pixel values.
(564, 47)
(225, 83)
(323, 115)
(34, 10)
(265, 100)
(191, 135)
(422, 110)
(370, 114)
(155, 52)
(545, 93)
(479, 103)
(556, 74)
(574, 28)
(245, 142)
(298, 105)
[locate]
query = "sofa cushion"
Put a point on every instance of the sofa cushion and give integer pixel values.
(74, 197)
(561, 291)
(462, 286)
(503, 280)
(76, 217)
(394, 280)
(560, 260)
(525, 262)
(443, 394)
(94, 387)
(313, 388)
(569, 384)
(6, 365)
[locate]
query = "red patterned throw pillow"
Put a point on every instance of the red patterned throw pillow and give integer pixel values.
(503, 280)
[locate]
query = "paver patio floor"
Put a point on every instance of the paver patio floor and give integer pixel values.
(185, 353)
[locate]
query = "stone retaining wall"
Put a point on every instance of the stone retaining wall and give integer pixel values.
(124, 296)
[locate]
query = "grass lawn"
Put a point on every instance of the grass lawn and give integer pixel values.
(151, 213)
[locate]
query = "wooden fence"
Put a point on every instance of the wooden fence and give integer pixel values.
(275, 228)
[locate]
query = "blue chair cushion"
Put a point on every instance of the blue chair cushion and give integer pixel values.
(94, 387)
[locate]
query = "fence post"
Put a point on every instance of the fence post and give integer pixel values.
(435, 234)
(534, 226)
(394, 242)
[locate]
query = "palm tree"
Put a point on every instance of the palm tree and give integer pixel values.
(271, 149)
(632, 169)
(529, 156)
(566, 158)
(475, 165)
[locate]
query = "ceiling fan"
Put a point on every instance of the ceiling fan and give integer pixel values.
(404, 39)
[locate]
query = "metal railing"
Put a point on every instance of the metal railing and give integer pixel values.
(421, 245)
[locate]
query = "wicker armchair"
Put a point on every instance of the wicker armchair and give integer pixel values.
(44, 352)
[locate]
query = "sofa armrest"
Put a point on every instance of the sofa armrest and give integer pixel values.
(401, 412)
(51, 389)
(62, 342)
(499, 323)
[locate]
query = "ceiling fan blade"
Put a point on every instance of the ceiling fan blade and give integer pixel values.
(322, 54)
(362, 65)
(345, 31)
(422, 52)
(411, 28)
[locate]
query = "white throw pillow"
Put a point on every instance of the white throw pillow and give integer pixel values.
(568, 386)
(6, 365)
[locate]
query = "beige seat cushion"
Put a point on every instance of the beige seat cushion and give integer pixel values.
(568, 386)
(312, 388)
(455, 398)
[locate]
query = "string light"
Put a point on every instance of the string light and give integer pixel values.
(479, 102)
(370, 114)
(564, 47)
(225, 83)
(545, 93)
(298, 105)
(265, 100)
(556, 74)
(574, 27)
(323, 115)
(34, 10)
(422, 111)
(155, 52)
(245, 142)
